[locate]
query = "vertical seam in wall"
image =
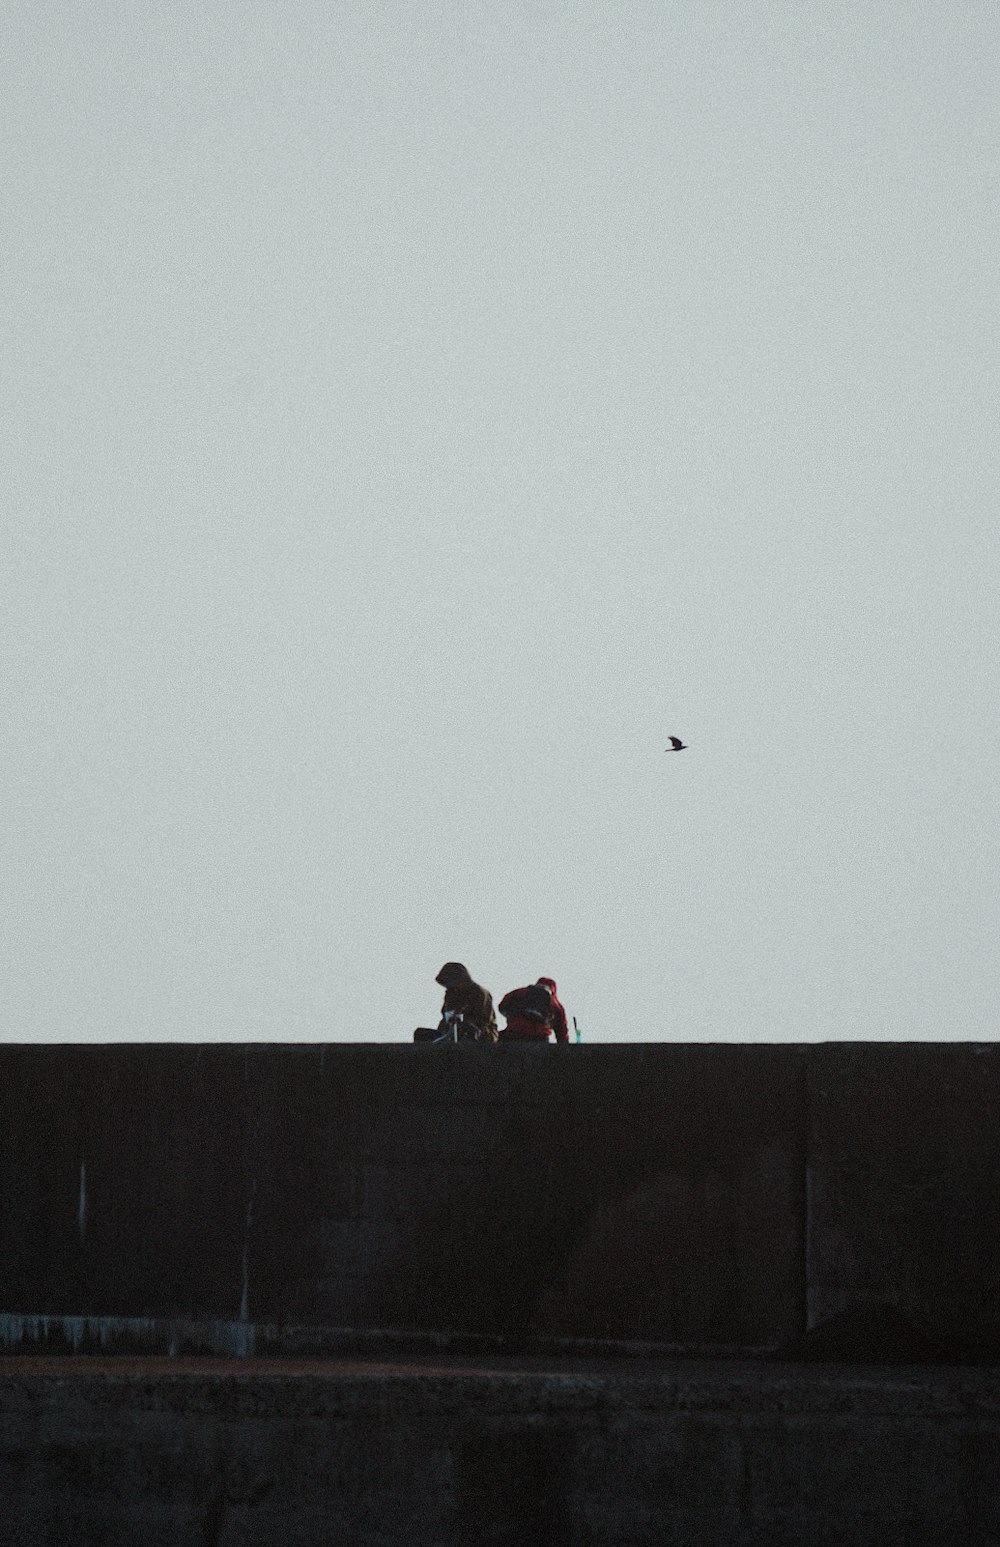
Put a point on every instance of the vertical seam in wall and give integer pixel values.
(806, 1203)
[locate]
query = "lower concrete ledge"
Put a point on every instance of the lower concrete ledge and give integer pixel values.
(177, 1337)
(478, 1453)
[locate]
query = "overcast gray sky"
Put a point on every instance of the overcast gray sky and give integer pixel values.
(414, 414)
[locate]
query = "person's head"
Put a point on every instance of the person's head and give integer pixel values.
(453, 975)
(550, 984)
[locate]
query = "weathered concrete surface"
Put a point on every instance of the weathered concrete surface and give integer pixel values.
(649, 1192)
(234, 1198)
(904, 1201)
(675, 1455)
(720, 1195)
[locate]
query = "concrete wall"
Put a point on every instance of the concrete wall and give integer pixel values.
(708, 1455)
(904, 1165)
(707, 1194)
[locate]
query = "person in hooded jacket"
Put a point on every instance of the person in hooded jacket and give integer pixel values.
(528, 1021)
(467, 998)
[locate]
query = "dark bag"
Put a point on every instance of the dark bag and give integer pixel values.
(533, 1003)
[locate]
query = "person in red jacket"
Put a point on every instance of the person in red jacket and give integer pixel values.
(533, 1013)
(557, 1018)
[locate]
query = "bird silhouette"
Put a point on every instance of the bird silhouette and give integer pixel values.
(676, 745)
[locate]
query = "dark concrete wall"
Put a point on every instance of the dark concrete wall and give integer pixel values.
(904, 1201)
(707, 1194)
(631, 1192)
(708, 1455)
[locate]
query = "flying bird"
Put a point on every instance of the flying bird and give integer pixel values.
(676, 745)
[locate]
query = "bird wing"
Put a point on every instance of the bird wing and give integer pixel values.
(675, 741)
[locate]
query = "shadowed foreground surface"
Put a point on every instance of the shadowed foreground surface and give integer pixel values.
(500, 1451)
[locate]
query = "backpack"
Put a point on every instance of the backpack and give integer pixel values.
(534, 1003)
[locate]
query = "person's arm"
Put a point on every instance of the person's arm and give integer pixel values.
(559, 1022)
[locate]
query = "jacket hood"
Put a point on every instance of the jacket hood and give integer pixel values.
(453, 975)
(550, 984)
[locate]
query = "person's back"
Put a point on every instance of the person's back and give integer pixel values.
(533, 1013)
(463, 996)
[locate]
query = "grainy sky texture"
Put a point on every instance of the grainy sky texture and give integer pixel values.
(414, 414)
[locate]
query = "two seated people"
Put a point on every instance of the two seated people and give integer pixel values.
(532, 1013)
